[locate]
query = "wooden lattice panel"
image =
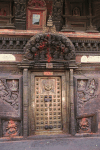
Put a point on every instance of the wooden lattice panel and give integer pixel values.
(48, 103)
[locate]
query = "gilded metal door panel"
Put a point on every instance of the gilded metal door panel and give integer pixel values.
(48, 104)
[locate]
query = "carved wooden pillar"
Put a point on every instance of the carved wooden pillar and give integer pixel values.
(25, 102)
(20, 14)
(67, 101)
(72, 103)
(57, 14)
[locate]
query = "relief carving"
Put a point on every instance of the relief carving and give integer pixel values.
(57, 9)
(76, 11)
(83, 48)
(86, 46)
(89, 47)
(4, 9)
(7, 93)
(49, 47)
(13, 85)
(11, 128)
(3, 12)
(81, 85)
(20, 9)
(48, 85)
(84, 125)
(95, 47)
(86, 91)
(10, 44)
(36, 3)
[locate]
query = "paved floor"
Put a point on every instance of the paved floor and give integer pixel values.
(86, 143)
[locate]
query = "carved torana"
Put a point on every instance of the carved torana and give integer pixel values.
(49, 47)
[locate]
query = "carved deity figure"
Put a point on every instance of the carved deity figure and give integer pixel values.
(3, 12)
(84, 124)
(76, 12)
(3, 92)
(91, 88)
(86, 92)
(83, 48)
(48, 85)
(17, 9)
(7, 96)
(10, 128)
(81, 85)
(13, 85)
(20, 10)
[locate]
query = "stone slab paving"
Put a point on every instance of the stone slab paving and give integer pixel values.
(84, 143)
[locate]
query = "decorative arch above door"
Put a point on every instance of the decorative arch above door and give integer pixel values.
(49, 47)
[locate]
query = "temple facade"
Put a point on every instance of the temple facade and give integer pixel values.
(49, 67)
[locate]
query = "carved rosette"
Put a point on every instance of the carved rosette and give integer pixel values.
(49, 47)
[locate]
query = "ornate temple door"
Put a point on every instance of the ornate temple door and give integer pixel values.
(48, 113)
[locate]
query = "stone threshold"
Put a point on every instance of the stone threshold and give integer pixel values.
(41, 137)
(87, 135)
(34, 137)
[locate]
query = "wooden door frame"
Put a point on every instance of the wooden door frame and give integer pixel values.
(64, 98)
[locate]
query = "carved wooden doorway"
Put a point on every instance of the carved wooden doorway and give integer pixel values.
(48, 113)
